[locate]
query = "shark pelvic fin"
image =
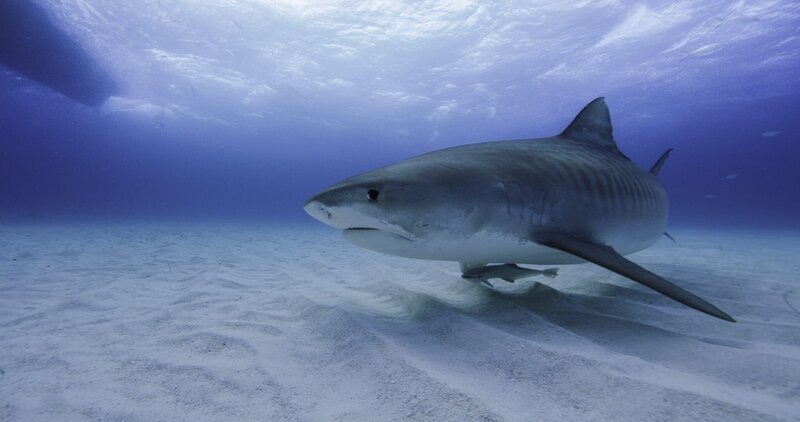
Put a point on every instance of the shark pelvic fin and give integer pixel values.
(466, 266)
(608, 258)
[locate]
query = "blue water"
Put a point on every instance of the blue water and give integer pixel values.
(243, 110)
(156, 262)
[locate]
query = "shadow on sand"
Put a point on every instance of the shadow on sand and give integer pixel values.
(627, 320)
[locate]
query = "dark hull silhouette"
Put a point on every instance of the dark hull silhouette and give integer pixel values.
(35, 48)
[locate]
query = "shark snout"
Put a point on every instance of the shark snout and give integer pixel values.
(317, 206)
(332, 208)
(317, 210)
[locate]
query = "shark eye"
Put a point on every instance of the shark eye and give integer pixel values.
(372, 195)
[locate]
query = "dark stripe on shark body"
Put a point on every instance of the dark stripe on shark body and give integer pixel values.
(648, 197)
(638, 196)
(613, 191)
(601, 191)
(623, 191)
(642, 210)
(594, 187)
(626, 199)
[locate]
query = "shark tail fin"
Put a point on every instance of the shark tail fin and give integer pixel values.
(661, 160)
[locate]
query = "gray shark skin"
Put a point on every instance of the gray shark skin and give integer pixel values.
(565, 199)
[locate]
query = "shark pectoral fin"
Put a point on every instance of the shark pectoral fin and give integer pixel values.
(608, 258)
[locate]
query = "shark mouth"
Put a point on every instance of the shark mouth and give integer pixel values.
(370, 230)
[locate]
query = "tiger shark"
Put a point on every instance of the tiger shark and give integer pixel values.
(566, 199)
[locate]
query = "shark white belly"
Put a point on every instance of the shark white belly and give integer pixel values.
(482, 247)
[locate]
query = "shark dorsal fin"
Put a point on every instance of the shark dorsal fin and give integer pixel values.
(593, 125)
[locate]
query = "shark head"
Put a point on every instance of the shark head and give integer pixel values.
(395, 208)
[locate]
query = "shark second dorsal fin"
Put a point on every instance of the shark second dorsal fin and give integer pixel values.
(593, 125)
(660, 163)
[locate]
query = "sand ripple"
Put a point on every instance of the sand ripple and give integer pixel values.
(239, 322)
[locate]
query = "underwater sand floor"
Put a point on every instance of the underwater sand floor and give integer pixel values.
(194, 322)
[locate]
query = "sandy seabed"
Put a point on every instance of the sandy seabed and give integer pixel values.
(174, 321)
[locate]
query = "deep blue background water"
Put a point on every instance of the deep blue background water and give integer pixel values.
(202, 127)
